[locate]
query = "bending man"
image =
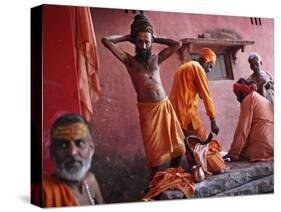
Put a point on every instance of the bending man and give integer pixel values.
(190, 80)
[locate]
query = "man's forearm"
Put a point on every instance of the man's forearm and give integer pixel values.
(118, 38)
(166, 41)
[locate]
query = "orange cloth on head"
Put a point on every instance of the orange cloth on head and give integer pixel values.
(57, 194)
(254, 135)
(208, 55)
(189, 80)
(172, 178)
(161, 131)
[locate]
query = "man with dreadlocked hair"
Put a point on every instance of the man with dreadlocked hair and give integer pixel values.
(254, 134)
(162, 133)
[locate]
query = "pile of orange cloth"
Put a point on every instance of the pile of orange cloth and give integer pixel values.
(215, 162)
(171, 179)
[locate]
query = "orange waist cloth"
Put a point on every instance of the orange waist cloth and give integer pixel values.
(161, 131)
(57, 194)
(172, 178)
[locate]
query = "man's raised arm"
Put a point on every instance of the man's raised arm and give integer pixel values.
(110, 43)
(173, 46)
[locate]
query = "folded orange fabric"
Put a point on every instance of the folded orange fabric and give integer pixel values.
(172, 178)
(215, 161)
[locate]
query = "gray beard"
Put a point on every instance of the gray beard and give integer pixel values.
(74, 174)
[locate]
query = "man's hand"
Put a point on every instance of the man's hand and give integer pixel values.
(215, 129)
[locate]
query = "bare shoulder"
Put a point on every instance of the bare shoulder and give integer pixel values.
(91, 179)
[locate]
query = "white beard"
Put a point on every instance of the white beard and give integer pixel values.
(73, 174)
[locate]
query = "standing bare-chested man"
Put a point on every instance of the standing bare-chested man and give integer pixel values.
(162, 134)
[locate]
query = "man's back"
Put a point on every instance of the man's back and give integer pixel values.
(189, 80)
(256, 122)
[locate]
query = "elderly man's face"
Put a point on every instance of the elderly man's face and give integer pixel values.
(72, 151)
(255, 64)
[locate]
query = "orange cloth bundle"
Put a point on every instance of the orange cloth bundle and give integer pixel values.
(215, 162)
(172, 178)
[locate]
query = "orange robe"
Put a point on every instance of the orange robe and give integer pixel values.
(254, 134)
(189, 80)
(57, 194)
(172, 178)
(161, 131)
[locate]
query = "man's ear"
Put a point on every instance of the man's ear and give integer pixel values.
(261, 63)
(92, 146)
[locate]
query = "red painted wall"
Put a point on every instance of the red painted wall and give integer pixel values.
(116, 122)
(60, 93)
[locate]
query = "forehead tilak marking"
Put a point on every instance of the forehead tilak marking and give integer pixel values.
(67, 130)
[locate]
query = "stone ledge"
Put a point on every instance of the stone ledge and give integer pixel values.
(243, 178)
(259, 186)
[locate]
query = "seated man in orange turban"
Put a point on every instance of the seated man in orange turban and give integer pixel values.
(71, 149)
(254, 134)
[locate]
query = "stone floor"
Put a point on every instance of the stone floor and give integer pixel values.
(243, 178)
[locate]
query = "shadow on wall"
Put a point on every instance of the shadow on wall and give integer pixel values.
(120, 179)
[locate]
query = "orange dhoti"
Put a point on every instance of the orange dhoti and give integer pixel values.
(161, 131)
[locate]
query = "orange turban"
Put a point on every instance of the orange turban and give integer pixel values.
(246, 89)
(208, 55)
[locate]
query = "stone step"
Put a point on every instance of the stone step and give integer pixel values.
(240, 173)
(243, 178)
(259, 186)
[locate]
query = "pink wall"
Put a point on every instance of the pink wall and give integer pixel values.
(116, 122)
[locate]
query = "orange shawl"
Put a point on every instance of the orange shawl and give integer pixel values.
(57, 194)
